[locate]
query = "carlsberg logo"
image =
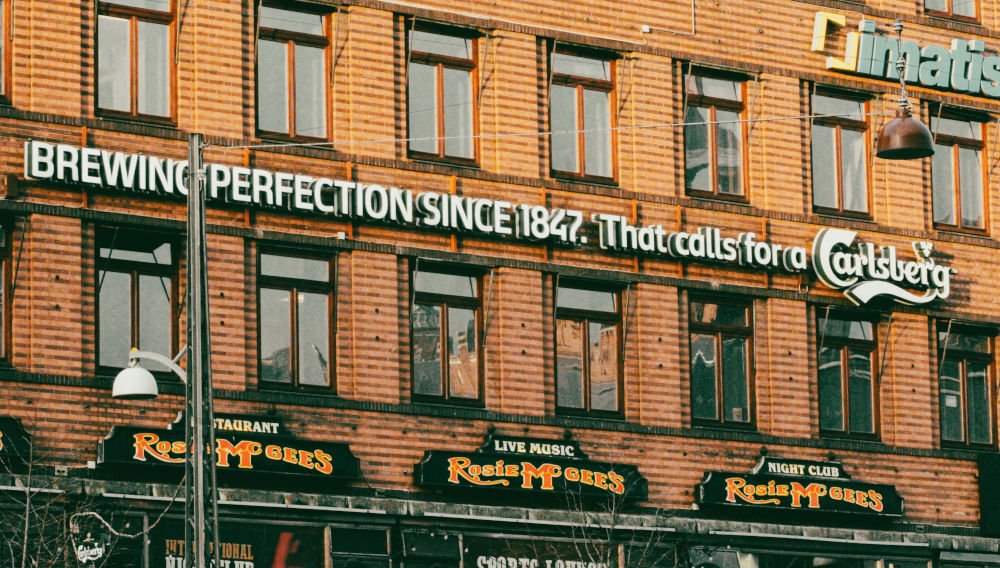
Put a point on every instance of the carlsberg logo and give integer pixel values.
(864, 274)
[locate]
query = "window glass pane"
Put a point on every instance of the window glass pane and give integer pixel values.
(448, 284)
(422, 108)
(735, 395)
(314, 341)
(426, 321)
(114, 318)
(569, 367)
(160, 5)
(831, 396)
(980, 422)
(703, 385)
(310, 98)
(292, 21)
(952, 414)
(959, 128)
(729, 138)
(272, 86)
(855, 170)
(936, 5)
(603, 366)
(597, 138)
(295, 267)
(275, 335)
(965, 8)
(3, 320)
(963, 341)
(860, 392)
(458, 113)
(3, 50)
(134, 246)
(113, 83)
(715, 88)
(832, 106)
(943, 184)
(155, 324)
(564, 127)
(848, 329)
(566, 64)
(721, 314)
(824, 166)
(463, 357)
(580, 299)
(971, 172)
(154, 69)
(451, 46)
(697, 158)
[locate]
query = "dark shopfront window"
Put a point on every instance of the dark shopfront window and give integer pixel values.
(134, 61)
(136, 295)
(728, 557)
(846, 362)
(445, 320)
(965, 358)
(296, 322)
(588, 353)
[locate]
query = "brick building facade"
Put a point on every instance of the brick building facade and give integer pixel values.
(433, 224)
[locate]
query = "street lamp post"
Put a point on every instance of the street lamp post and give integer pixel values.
(201, 527)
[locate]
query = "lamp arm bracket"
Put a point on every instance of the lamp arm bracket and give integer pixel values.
(135, 355)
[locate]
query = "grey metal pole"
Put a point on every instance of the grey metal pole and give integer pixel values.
(200, 507)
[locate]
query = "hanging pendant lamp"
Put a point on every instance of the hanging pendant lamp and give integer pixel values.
(903, 137)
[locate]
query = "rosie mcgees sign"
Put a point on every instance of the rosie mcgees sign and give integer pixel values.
(863, 271)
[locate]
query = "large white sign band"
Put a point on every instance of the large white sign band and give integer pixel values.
(863, 271)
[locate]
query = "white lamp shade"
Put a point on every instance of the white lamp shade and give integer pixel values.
(134, 383)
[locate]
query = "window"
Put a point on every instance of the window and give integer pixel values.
(966, 385)
(134, 54)
(721, 355)
(580, 100)
(957, 173)
(713, 137)
(846, 386)
(840, 155)
(5, 50)
(5, 280)
(588, 353)
(440, 96)
(445, 319)
(292, 73)
(296, 319)
(136, 295)
(958, 9)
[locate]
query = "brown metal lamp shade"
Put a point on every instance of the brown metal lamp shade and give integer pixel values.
(904, 138)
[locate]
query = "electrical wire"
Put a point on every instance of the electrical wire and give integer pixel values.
(539, 133)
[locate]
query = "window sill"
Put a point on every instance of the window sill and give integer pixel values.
(847, 436)
(132, 121)
(953, 230)
(271, 386)
(712, 196)
(278, 137)
(579, 178)
(847, 215)
(723, 426)
(967, 447)
(469, 163)
(440, 401)
(590, 414)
